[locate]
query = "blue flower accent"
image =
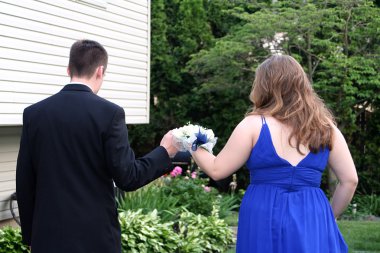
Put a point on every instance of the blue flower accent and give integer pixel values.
(201, 139)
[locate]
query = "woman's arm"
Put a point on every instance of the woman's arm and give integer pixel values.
(343, 166)
(234, 154)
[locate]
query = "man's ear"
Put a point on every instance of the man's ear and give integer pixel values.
(68, 71)
(100, 72)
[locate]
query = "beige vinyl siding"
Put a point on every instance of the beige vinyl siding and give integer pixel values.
(9, 145)
(35, 39)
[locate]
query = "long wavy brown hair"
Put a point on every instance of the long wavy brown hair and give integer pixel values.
(282, 90)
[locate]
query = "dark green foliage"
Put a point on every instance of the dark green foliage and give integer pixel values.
(362, 207)
(191, 195)
(204, 234)
(149, 198)
(170, 195)
(176, 214)
(11, 241)
(204, 55)
(228, 204)
(145, 233)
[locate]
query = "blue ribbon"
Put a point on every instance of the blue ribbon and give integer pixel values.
(201, 139)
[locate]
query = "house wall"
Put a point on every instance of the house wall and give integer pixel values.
(35, 40)
(9, 145)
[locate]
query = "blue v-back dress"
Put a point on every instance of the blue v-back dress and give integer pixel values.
(283, 209)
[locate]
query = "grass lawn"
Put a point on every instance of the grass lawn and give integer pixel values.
(361, 236)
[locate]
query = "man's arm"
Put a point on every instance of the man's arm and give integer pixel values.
(128, 172)
(25, 186)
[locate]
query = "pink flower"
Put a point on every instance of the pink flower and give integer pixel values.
(194, 175)
(176, 171)
(207, 188)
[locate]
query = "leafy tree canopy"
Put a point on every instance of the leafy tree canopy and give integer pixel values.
(204, 56)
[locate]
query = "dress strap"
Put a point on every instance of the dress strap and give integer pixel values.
(263, 120)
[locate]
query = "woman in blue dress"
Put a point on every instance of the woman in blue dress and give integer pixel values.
(286, 142)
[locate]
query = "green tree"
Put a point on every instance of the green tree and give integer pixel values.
(179, 29)
(338, 44)
(204, 55)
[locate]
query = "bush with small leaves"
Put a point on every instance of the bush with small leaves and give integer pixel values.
(11, 241)
(144, 233)
(201, 234)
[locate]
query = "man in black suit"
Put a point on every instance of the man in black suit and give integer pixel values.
(74, 146)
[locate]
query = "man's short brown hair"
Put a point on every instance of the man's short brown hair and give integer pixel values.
(85, 57)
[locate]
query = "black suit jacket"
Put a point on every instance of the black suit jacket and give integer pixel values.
(74, 145)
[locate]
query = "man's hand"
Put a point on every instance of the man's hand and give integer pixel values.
(167, 143)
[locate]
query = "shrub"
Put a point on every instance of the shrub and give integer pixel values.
(170, 194)
(362, 206)
(149, 198)
(204, 234)
(228, 204)
(368, 204)
(11, 241)
(191, 192)
(144, 233)
(187, 219)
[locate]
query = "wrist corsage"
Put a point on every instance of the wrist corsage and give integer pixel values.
(190, 137)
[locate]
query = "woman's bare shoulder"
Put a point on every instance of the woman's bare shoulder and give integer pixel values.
(251, 121)
(250, 127)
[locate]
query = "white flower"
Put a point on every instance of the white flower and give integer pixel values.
(194, 136)
(177, 133)
(210, 134)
